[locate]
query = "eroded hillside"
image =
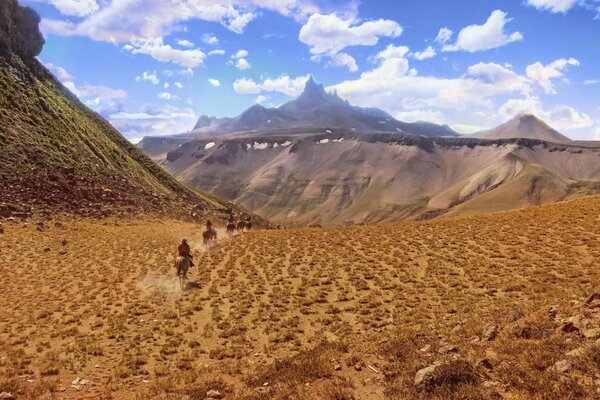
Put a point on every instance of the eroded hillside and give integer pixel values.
(495, 306)
(341, 177)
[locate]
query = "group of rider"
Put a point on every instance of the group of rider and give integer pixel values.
(184, 248)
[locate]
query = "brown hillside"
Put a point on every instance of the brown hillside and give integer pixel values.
(56, 155)
(496, 307)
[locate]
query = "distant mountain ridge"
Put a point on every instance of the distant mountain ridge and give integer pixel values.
(315, 109)
(526, 126)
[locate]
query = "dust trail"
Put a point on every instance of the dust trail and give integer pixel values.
(168, 284)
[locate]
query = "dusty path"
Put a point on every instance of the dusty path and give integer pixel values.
(100, 301)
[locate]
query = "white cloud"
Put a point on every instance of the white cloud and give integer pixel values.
(166, 85)
(396, 87)
(59, 72)
(591, 82)
(260, 99)
(148, 77)
(329, 34)
(214, 82)
(98, 92)
(444, 35)
(153, 121)
(78, 8)
(165, 96)
(238, 23)
(345, 60)
(488, 36)
(178, 85)
(282, 84)
(101, 92)
(543, 74)
(240, 54)
(429, 52)
(155, 48)
(186, 72)
(561, 117)
(242, 64)
(596, 134)
(246, 86)
(209, 39)
(185, 43)
(555, 6)
(216, 52)
(120, 21)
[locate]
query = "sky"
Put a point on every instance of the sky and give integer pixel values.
(152, 67)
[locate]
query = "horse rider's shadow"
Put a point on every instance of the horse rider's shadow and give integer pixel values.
(191, 286)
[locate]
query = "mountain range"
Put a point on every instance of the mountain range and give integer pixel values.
(315, 109)
(319, 160)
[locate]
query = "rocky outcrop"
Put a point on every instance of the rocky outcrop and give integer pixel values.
(19, 31)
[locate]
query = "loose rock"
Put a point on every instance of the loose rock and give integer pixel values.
(214, 394)
(563, 366)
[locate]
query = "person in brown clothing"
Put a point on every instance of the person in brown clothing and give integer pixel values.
(184, 251)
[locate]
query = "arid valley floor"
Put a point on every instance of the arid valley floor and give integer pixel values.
(93, 310)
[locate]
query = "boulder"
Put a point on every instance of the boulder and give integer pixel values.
(214, 394)
(425, 376)
(490, 332)
(6, 396)
(563, 366)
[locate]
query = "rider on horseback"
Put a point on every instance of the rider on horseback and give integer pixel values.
(184, 251)
(231, 219)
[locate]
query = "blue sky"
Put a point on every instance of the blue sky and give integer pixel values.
(151, 67)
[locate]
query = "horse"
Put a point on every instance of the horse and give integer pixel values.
(230, 228)
(241, 225)
(182, 264)
(208, 236)
(248, 225)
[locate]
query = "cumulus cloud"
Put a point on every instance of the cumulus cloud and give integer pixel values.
(488, 36)
(153, 120)
(345, 60)
(148, 77)
(185, 43)
(165, 96)
(156, 49)
(555, 6)
(178, 85)
(242, 64)
(396, 87)
(240, 54)
(78, 8)
(246, 86)
(260, 99)
(59, 72)
(561, 117)
(544, 74)
(591, 82)
(329, 34)
(94, 94)
(216, 52)
(282, 84)
(443, 36)
(429, 52)
(210, 39)
(120, 21)
(596, 134)
(214, 82)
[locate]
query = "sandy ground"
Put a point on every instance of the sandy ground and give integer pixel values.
(93, 310)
